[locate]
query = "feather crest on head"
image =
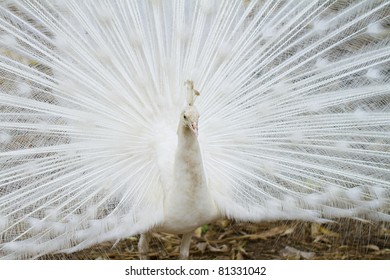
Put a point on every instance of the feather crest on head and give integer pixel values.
(192, 93)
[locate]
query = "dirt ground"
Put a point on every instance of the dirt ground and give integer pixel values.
(344, 239)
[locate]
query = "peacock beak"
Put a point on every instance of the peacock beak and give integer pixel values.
(194, 128)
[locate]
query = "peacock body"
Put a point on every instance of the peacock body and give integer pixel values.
(294, 113)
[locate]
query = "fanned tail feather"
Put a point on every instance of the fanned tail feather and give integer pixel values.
(294, 113)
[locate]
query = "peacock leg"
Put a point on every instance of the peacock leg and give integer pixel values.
(185, 245)
(143, 245)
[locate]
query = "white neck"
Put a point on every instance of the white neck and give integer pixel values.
(188, 161)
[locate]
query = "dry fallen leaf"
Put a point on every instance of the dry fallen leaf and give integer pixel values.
(198, 232)
(329, 233)
(322, 239)
(290, 252)
(201, 246)
(239, 256)
(223, 223)
(314, 230)
(372, 247)
(223, 248)
(280, 230)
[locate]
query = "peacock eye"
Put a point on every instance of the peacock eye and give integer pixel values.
(185, 117)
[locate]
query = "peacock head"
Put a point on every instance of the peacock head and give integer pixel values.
(190, 115)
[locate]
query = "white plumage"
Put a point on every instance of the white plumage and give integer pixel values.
(294, 117)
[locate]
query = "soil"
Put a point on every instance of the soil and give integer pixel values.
(343, 239)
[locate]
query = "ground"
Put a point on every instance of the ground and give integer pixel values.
(344, 239)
